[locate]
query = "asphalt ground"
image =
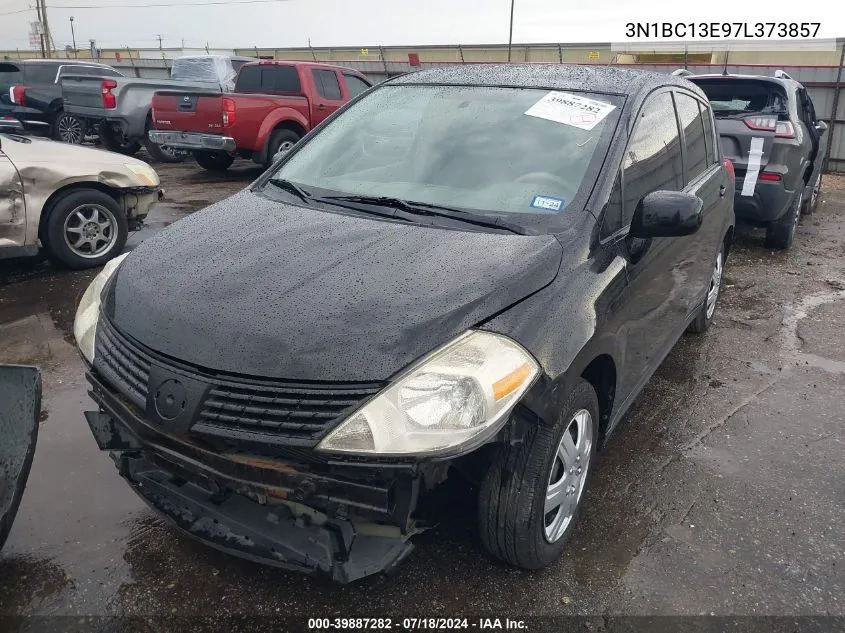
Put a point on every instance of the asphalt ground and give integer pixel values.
(721, 493)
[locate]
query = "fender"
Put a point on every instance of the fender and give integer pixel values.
(280, 115)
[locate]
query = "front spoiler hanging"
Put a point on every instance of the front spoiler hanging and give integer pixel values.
(284, 535)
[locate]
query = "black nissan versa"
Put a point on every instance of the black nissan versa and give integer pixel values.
(465, 272)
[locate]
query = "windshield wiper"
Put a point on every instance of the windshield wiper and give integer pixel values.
(291, 187)
(408, 207)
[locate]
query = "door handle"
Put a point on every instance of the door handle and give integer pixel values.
(722, 191)
(321, 106)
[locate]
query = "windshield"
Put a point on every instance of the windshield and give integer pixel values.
(499, 150)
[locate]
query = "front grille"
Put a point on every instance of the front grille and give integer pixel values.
(295, 411)
(235, 407)
(122, 363)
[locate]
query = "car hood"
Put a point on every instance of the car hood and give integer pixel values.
(257, 287)
(51, 165)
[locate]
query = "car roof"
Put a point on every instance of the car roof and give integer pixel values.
(295, 62)
(590, 78)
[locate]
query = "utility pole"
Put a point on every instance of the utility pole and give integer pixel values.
(40, 27)
(46, 28)
(73, 35)
(510, 35)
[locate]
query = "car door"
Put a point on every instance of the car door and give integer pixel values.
(808, 118)
(328, 97)
(648, 319)
(12, 209)
(705, 177)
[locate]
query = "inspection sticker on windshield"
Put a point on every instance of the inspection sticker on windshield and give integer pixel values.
(570, 109)
(547, 203)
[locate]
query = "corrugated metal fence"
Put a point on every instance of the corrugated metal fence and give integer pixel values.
(824, 83)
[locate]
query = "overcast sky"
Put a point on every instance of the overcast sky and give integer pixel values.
(283, 23)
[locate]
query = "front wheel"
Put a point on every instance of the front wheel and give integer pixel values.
(68, 128)
(214, 161)
(813, 202)
(532, 493)
(85, 228)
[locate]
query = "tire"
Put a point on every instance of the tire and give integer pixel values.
(781, 233)
(63, 223)
(811, 204)
(512, 517)
(163, 154)
(702, 320)
(68, 128)
(116, 141)
(214, 161)
(278, 140)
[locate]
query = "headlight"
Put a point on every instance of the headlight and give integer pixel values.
(85, 323)
(444, 402)
(146, 173)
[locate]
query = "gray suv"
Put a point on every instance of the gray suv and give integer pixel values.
(769, 131)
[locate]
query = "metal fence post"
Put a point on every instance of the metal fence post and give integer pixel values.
(837, 87)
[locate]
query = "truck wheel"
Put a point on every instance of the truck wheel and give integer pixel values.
(214, 161)
(812, 203)
(85, 228)
(114, 140)
(68, 128)
(280, 140)
(163, 153)
(781, 233)
(532, 492)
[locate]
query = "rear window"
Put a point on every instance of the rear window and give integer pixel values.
(735, 96)
(40, 73)
(268, 78)
(10, 75)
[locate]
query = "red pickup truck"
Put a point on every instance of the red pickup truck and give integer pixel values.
(273, 105)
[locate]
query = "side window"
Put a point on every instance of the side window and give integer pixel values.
(652, 160)
(40, 73)
(287, 80)
(327, 84)
(249, 79)
(709, 137)
(695, 156)
(356, 85)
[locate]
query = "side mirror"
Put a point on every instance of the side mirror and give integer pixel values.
(820, 126)
(667, 214)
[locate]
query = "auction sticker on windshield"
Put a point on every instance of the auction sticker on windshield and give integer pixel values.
(571, 109)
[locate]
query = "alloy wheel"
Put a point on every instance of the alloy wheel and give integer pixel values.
(715, 285)
(90, 230)
(70, 129)
(568, 475)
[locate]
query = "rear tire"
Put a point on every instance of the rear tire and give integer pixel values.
(68, 128)
(514, 523)
(116, 141)
(72, 215)
(781, 233)
(280, 139)
(214, 161)
(702, 320)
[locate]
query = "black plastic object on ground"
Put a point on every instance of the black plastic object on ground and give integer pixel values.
(20, 406)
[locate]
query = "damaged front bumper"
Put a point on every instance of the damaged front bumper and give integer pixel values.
(264, 510)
